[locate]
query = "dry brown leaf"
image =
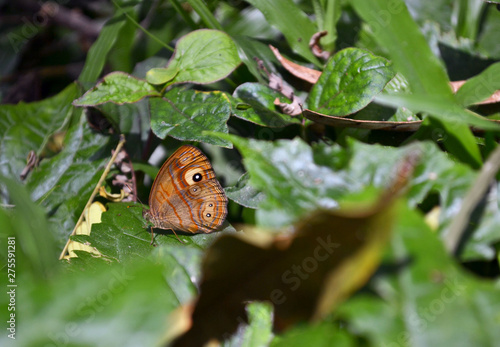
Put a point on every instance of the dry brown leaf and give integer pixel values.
(92, 215)
(495, 97)
(361, 124)
(306, 275)
(302, 72)
(315, 46)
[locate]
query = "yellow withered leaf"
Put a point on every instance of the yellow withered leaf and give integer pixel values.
(92, 215)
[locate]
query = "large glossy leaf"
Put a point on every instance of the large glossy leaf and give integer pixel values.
(64, 182)
(186, 114)
(296, 178)
(124, 234)
(202, 56)
(350, 81)
(29, 127)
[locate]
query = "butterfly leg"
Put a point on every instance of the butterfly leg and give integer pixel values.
(177, 236)
(152, 237)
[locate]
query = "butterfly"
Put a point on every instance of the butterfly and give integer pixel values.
(186, 195)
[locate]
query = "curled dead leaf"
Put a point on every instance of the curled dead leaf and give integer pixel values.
(361, 124)
(293, 109)
(315, 46)
(302, 72)
(91, 215)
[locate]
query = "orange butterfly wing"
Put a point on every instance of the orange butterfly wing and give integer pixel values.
(186, 195)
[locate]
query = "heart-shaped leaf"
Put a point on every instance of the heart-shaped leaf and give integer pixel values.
(202, 56)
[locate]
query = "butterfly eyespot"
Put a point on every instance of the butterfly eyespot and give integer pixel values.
(209, 215)
(197, 177)
(194, 190)
(210, 205)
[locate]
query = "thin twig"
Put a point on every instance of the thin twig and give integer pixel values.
(94, 193)
(471, 200)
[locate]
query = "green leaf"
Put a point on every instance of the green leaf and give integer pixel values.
(162, 75)
(96, 57)
(262, 110)
(185, 114)
(437, 174)
(27, 224)
(292, 22)
(488, 35)
(26, 127)
(259, 330)
(248, 49)
(205, 14)
(73, 307)
(124, 234)
(349, 82)
(297, 179)
(244, 194)
(118, 88)
(327, 17)
(480, 87)
(286, 172)
(202, 56)
(460, 142)
(322, 335)
(467, 19)
(439, 108)
(395, 30)
(62, 184)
